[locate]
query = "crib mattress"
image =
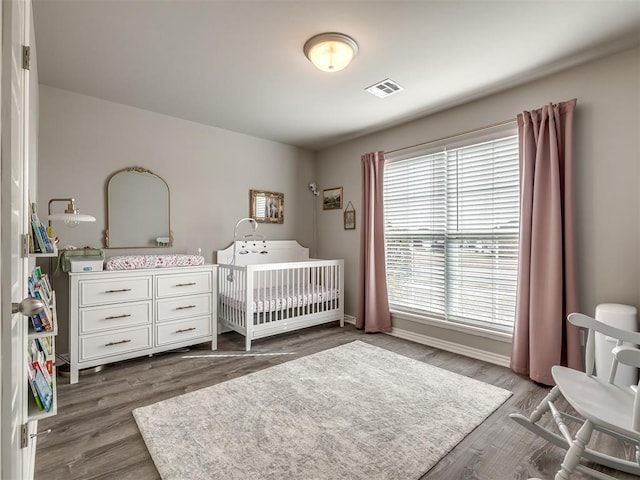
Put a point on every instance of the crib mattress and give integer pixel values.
(272, 299)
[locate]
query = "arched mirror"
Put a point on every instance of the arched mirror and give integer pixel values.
(137, 210)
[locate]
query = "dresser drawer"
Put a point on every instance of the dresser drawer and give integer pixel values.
(174, 332)
(181, 307)
(108, 317)
(96, 292)
(183, 284)
(114, 343)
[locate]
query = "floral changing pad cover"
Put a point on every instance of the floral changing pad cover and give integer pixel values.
(132, 262)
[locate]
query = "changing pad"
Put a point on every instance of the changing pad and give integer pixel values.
(132, 262)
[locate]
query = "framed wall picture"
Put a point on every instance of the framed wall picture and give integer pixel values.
(332, 199)
(349, 219)
(266, 207)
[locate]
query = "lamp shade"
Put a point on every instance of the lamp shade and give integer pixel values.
(331, 52)
(71, 216)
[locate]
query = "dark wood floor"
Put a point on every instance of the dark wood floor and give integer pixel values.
(94, 435)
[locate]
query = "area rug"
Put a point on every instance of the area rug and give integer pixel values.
(354, 412)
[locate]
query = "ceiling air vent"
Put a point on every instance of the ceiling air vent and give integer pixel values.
(384, 88)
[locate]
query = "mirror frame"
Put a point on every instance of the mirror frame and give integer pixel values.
(278, 197)
(139, 170)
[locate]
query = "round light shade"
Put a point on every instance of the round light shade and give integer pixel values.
(71, 219)
(331, 52)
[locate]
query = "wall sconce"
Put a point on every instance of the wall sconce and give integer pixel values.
(331, 52)
(71, 216)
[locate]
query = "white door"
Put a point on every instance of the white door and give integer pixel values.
(13, 216)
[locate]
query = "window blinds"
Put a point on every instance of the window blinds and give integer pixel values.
(451, 231)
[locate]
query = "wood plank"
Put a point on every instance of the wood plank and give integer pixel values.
(94, 435)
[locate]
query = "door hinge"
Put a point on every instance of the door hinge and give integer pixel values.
(26, 57)
(24, 245)
(24, 435)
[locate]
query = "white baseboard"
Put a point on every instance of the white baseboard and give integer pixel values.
(464, 350)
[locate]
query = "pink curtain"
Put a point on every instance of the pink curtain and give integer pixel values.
(546, 270)
(372, 313)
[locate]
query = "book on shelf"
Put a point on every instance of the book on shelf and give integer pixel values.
(46, 317)
(47, 241)
(40, 375)
(32, 246)
(32, 387)
(38, 242)
(35, 319)
(36, 275)
(45, 286)
(42, 293)
(39, 367)
(45, 345)
(34, 241)
(41, 241)
(40, 288)
(41, 356)
(36, 323)
(43, 389)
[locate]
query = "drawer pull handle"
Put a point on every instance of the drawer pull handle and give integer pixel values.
(185, 284)
(185, 330)
(184, 308)
(116, 343)
(119, 290)
(113, 317)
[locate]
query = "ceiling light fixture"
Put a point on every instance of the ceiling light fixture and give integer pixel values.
(331, 52)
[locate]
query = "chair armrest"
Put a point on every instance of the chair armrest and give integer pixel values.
(627, 355)
(582, 320)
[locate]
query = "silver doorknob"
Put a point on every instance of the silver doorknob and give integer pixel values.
(29, 306)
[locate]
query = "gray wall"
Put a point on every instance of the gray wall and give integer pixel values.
(607, 176)
(83, 140)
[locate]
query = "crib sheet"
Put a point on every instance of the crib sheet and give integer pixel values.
(271, 299)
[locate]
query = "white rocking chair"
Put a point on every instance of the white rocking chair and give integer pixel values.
(604, 406)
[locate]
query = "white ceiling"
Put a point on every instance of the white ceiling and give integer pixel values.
(239, 65)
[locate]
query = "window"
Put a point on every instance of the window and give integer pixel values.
(451, 230)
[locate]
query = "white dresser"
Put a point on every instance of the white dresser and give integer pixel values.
(117, 315)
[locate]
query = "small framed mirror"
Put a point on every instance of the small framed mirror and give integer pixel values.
(266, 207)
(137, 210)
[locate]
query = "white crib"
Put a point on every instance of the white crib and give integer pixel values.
(273, 287)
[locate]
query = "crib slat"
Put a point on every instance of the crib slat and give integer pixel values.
(260, 299)
(326, 285)
(314, 289)
(249, 310)
(324, 282)
(297, 291)
(269, 292)
(289, 303)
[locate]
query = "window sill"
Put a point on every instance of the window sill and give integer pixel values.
(467, 329)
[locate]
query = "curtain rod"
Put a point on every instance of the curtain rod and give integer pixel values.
(499, 124)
